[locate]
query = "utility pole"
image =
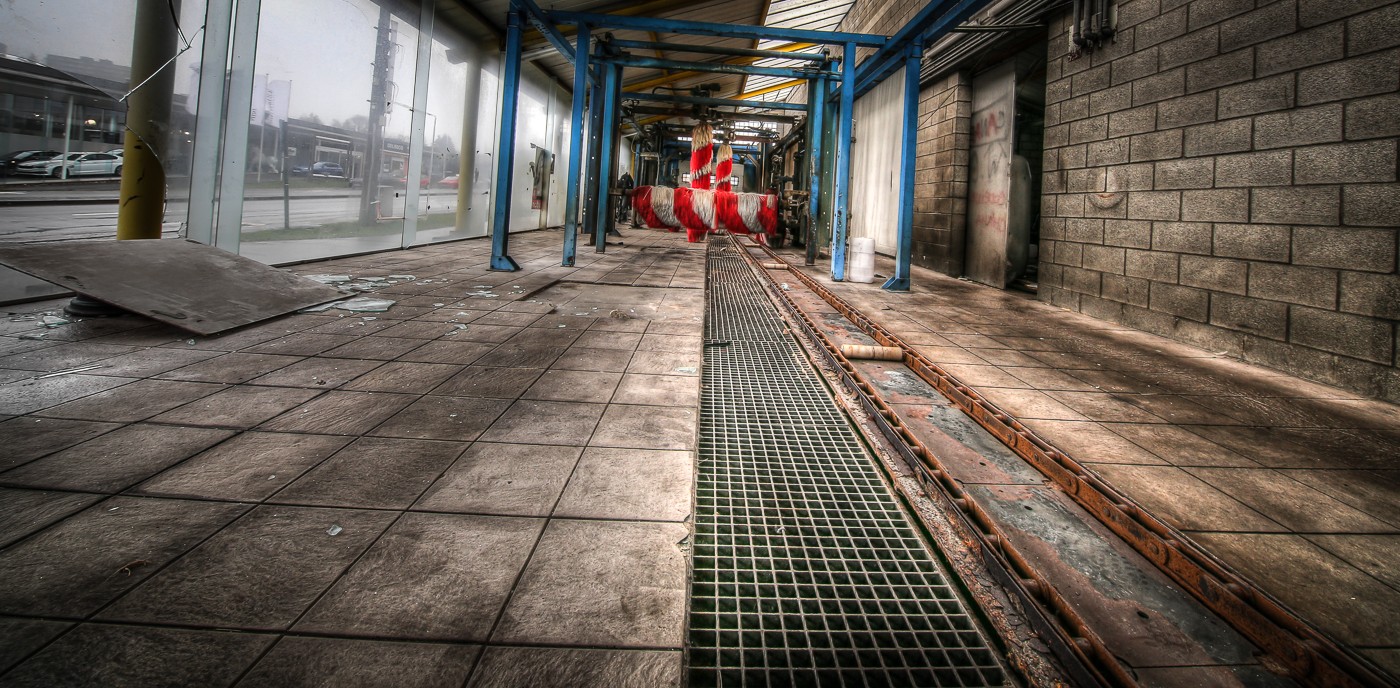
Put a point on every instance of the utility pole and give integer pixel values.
(378, 97)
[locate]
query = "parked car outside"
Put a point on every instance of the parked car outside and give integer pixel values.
(77, 164)
(327, 169)
(10, 163)
(449, 182)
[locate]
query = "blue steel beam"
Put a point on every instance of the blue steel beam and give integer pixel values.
(571, 187)
(931, 23)
(713, 102)
(715, 67)
(505, 158)
(694, 28)
(612, 86)
(595, 124)
(908, 144)
(816, 90)
(537, 19)
(842, 192)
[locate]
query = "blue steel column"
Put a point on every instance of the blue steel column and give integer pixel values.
(612, 81)
(575, 147)
(595, 124)
(816, 102)
(908, 149)
(839, 207)
(505, 150)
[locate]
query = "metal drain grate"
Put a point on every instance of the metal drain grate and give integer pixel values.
(806, 569)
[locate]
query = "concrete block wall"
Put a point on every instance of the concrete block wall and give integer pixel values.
(1226, 175)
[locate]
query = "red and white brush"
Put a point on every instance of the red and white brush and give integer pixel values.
(724, 167)
(702, 163)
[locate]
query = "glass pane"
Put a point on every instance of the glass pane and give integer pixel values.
(454, 82)
(66, 81)
(329, 133)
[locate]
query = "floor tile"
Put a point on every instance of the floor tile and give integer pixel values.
(317, 373)
(101, 655)
(1374, 492)
(506, 479)
(457, 353)
(521, 356)
(443, 418)
(430, 577)
(1374, 554)
(1321, 587)
(603, 339)
(477, 331)
(230, 368)
(248, 468)
(261, 572)
(24, 636)
(301, 344)
(1182, 500)
(511, 319)
(237, 407)
(340, 413)
(546, 422)
(1105, 408)
(1289, 502)
(1180, 447)
(76, 566)
(548, 667)
(1091, 442)
(26, 396)
(574, 385)
(1029, 404)
(353, 326)
(658, 390)
(669, 342)
(134, 402)
(402, 377)
(622, 585)
(27, 511)
(421, 329)
(303, 661)
(116, 460)
(64, 356)
(29, 438)
(482, 381)
(154, 361)
(375, 348)
(665, 363)
(629, 484)
(373, 473)
(646, 427)
(602, 360)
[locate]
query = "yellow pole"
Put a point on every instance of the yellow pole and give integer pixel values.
(142, 206)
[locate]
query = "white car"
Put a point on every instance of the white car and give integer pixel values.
(77, 164)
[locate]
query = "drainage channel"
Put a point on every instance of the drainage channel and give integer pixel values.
(807, 570)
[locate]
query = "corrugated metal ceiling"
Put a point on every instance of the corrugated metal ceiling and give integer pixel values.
(805, 14)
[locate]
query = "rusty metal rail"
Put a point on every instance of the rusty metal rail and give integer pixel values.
(1310, 656)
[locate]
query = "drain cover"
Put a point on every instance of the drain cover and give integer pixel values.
(807, 571)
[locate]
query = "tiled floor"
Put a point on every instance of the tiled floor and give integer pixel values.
(492, 488)
(1292, 483)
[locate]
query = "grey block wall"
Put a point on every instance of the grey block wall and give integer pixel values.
(1225, 175)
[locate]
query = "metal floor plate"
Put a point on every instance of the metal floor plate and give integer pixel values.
(807, 571)
(191, 286)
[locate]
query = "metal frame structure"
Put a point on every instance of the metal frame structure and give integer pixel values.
(832, 87)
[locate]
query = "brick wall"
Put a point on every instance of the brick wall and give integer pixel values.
(1225, 175)
(940, 176)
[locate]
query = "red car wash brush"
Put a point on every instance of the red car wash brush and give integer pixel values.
(702, 163)
(724, 167)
